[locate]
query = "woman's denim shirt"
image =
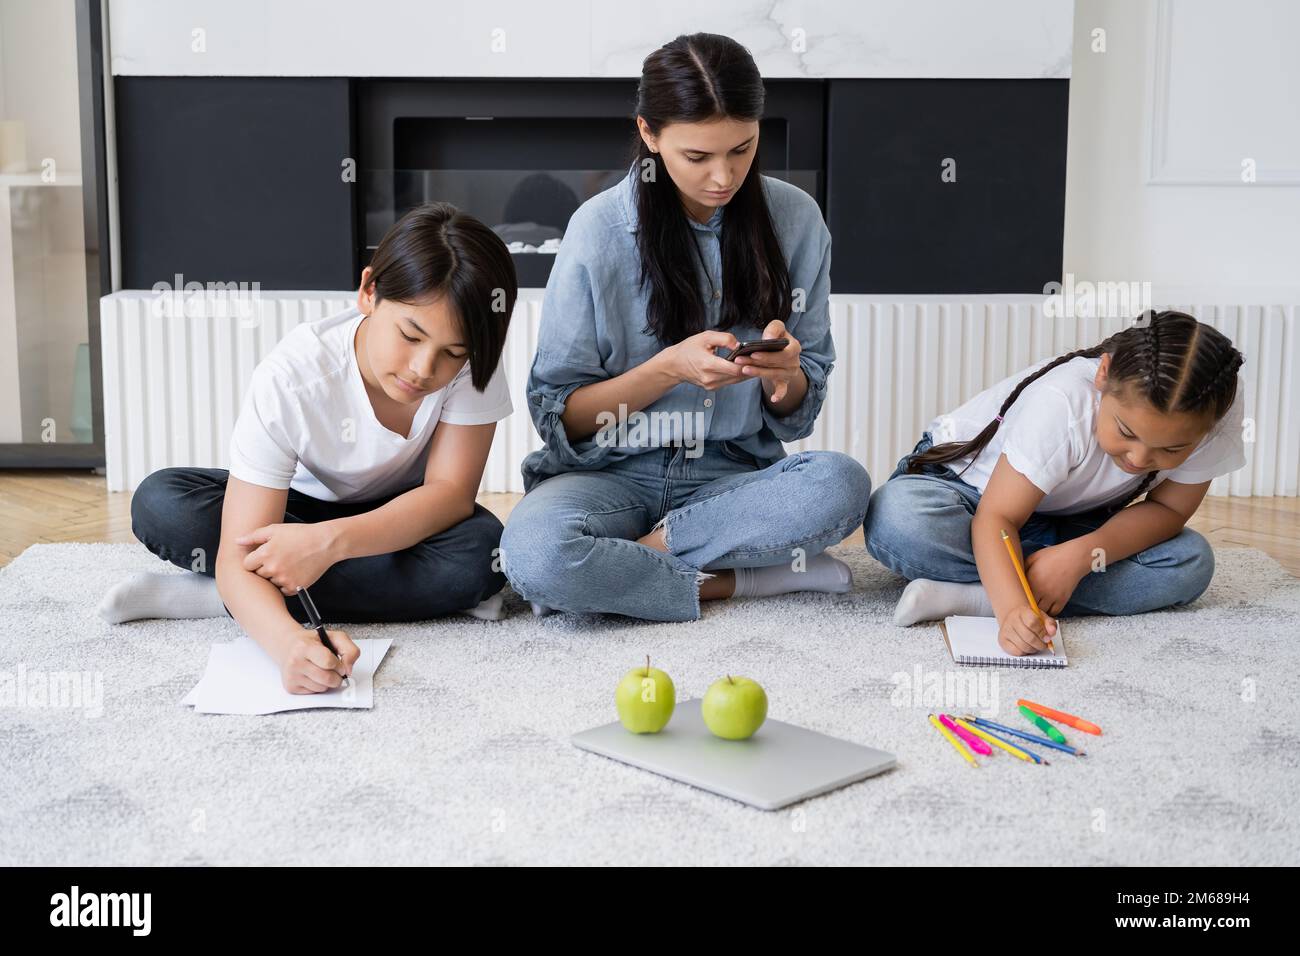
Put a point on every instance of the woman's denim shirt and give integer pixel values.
(594, 314)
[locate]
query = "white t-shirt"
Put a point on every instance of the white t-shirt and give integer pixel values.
(1049, 436)
(307, 422)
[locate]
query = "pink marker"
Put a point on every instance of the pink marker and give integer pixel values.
(973, 742)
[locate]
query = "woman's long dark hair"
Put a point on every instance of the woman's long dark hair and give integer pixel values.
(695, 79)
(1173, 361)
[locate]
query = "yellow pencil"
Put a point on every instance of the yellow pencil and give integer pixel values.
(1014, 751)
(1024, 583)
(956, 745)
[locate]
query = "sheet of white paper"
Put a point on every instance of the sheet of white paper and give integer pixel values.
(241, 678)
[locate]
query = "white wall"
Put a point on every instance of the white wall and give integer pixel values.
(586, 38)
(1206, 83)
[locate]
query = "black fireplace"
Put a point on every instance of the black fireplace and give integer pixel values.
(246, 179)
(523, 155)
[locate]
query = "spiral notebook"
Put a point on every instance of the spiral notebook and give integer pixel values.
(974, 640)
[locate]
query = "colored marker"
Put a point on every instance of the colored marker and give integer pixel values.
(1042, 725)
(1078, 723)
(956, 745)
(975, 744)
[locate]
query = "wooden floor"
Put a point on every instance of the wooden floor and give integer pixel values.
(39, 507)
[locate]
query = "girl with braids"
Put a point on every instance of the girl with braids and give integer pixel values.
(662, 481)
(1053, 455)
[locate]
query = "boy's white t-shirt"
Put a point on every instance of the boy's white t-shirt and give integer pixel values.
(307, 423)
(1049, 436)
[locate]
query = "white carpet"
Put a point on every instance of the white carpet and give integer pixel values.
(465, 757)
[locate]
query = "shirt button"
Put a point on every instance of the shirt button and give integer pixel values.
(708, 403)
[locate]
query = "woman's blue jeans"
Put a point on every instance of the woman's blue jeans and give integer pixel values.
(571, 543)
(918, 526)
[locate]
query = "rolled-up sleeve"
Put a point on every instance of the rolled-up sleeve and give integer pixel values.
(567, 358)
(810, 272)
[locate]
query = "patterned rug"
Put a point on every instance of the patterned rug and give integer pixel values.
(465, 758)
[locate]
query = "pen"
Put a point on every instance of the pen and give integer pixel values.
(991, 726)
(313, 615)
(996, 741)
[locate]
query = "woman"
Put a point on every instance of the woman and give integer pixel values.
(663, 481)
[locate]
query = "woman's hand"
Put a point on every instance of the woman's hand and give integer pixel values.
(693, 360)
(1022, 631)
(1054, 573)
(290, 556)
(776, 369)
(307, 666)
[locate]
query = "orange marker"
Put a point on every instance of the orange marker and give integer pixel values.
(1078, 723)
(1024, 583)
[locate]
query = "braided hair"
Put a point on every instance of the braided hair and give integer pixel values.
(1173, 361)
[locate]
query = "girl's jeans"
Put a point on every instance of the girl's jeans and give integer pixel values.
(570, 544)
(918, 525)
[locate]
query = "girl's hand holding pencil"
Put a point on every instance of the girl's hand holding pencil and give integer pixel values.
(1024, 632)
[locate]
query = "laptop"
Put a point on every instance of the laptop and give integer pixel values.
(780, 765)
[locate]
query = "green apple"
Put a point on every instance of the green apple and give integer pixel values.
(645, 699)
(734, 707)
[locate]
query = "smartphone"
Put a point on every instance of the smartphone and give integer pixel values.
(757, 345)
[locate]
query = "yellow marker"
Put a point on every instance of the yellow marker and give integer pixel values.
(1024, 583)
(952, 739)
(1014, 751)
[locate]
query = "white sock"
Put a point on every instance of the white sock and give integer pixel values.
(925, 600)
(150, 594)
(822, 573)
(493, 609)
(541, 610)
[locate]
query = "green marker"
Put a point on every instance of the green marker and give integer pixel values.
(1042, 725)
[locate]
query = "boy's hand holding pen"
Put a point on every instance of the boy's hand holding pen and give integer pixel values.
(318, 660)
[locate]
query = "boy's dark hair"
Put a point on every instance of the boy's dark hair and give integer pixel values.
(1169, 358)
(435, 250)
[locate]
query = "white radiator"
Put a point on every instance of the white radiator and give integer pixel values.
(173, 385)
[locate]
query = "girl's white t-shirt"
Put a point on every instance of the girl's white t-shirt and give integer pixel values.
(1049, 436)
(307, 423)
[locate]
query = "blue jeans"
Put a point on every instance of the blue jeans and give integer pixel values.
(177, 511)
(918, 526)
(570, 544)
